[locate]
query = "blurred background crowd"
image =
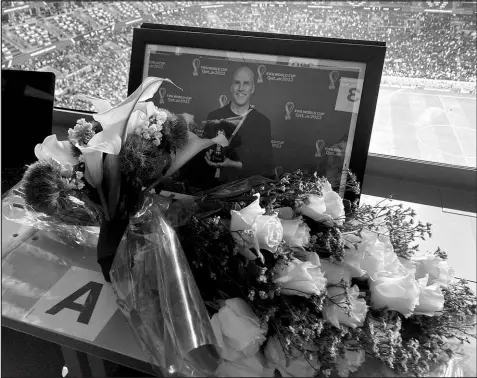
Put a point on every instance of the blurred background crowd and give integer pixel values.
(87, 44)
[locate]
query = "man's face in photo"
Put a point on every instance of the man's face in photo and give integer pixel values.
(242, 86)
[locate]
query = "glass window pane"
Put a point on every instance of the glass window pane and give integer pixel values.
(426, 107)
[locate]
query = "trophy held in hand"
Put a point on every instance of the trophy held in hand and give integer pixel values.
(217, 155)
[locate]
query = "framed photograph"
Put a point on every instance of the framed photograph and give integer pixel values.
(305, 102)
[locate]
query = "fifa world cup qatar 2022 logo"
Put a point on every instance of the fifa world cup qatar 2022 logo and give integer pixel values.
(261, 71)
(195, 66)
(289, 106)
(222, 100)
(334, 76)
(320, 144)
(162, 95)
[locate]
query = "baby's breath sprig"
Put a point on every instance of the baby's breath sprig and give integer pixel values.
(151, 132)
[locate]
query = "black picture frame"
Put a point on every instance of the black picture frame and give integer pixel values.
(294, 37)
(370, 53)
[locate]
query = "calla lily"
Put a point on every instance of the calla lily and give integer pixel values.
(117, 118)
(52, 148)
(192, 148)
(115, 122)
(99, 104)
(105, 141)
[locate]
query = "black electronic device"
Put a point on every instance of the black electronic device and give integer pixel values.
(27, 118)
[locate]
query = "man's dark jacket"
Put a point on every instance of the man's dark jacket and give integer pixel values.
(251, 146)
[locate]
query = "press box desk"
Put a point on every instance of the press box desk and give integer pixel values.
(38, 272)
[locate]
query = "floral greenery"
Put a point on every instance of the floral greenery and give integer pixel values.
(44, 186)
(408, 345)
(142, 162)
(141, 159)
(55, 190)
(401, 226)
(175, 132)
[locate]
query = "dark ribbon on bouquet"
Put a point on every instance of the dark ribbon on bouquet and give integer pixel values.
(111, 233)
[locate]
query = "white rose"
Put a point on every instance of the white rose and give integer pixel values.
(245, 367)
(336, 313)
(334, 204)
(409, 265)
(438, 270)
(246, 241)
(245, 218)
(399, 292)
(295, 232)
(237, 330)
(269, 232)
(431, 298)
(352, 361)
(328, 209)
(377, 255)
(299, 278)
(304, 255)
(296, 367)
(334, 273)
(352, 255)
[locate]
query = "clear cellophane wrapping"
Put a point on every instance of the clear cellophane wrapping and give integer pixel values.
(79, 221)
(158, 294)
(461, 364)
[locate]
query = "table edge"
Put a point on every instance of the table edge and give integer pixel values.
(77, 344)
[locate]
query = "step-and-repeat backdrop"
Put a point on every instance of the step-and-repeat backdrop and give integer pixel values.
(311, 110)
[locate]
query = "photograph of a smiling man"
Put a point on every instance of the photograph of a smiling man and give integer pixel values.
(250, 151)
(252, 148)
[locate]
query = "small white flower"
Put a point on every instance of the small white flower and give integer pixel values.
(156, 142)
(146, 136)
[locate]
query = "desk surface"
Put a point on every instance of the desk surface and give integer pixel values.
(39, 271)
(42, 272)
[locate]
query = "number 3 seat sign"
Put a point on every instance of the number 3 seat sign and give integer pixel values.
(349, 95)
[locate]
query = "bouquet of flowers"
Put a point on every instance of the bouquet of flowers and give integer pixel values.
(97, 189)
(294, 286)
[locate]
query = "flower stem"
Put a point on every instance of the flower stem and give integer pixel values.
(103, 203)
(155, 183)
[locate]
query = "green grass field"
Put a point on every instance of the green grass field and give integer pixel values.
(434, 126)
